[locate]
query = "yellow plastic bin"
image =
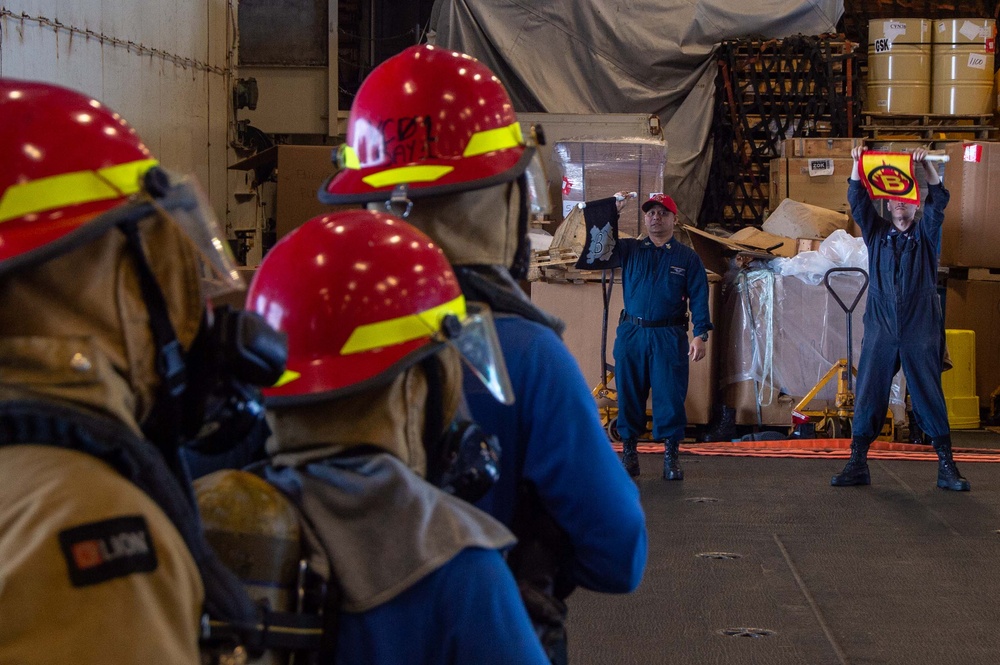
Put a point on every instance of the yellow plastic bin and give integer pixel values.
(959, 382)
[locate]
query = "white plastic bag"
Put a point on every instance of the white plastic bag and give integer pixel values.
(838, 250)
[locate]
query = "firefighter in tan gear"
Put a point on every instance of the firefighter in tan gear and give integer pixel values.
(432, 134)
(103, 256)
(371, 446)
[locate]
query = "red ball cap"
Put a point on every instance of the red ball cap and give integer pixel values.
(663, 200)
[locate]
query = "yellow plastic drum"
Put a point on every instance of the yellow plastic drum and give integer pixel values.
(959, 382)
(899, 66)
(963, 53)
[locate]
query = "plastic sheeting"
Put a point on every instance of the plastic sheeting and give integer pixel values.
(784, 332)
(651, 56)
(838, 250)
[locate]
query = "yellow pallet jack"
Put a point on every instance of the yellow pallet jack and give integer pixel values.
(835, 422)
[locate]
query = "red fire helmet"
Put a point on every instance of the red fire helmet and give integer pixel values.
(435, 120)
(66, 159)
(362, 295)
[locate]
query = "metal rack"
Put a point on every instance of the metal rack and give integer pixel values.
(767, 92)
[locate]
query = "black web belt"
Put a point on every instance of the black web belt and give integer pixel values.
(654, 323)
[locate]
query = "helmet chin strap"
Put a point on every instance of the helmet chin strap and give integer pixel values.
(163, 425)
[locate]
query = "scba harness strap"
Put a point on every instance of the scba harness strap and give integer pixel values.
(231, 616)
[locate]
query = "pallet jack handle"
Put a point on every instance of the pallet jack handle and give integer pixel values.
(848, 311)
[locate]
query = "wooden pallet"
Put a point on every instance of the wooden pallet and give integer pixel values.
(928, 126)
(553, 256)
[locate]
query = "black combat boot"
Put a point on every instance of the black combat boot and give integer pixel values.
(948, 476)
(630, 458)
(856, 470)
(671, 469)
(723, 426)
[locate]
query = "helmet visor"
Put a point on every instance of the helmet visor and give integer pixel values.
(475, 338)
(186, 204)
(539, 201)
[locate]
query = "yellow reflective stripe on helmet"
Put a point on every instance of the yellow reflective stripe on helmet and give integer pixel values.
(286, 377)
(68, 189)
(494, 139)
(402, 329)
(347, 157)
(407, 174)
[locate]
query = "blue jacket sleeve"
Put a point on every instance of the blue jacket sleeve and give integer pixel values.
(576, 472)
(697, 288)
(862, 209)
(934, 205)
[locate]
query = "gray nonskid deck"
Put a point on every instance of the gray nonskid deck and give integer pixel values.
(756, 560)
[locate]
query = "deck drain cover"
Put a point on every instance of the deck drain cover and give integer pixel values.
(701, 499)
(720, 555)
(747, 632)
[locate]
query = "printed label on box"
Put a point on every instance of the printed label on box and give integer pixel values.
(819, 167)
(970, 30)
(973, 153)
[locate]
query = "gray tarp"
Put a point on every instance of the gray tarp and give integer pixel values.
(638, 56)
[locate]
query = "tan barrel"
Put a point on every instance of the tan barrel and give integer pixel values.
(899, 66)
(963, 54)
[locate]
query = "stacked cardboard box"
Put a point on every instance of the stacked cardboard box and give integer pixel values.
(970, 249)
(581, 307)
(971, 225)
(818, 181)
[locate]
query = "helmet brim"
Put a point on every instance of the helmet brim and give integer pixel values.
(339, 376)
(487, 170)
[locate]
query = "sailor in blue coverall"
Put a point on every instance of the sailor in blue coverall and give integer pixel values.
(904, 324)
(561, 490)
(661, 279)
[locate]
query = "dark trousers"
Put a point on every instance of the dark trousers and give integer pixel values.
(907, 332)
(651, 359)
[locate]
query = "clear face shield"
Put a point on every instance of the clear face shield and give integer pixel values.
(183, 201)
(475, 338)
(539, 201)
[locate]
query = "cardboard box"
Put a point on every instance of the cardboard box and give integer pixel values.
(971, 232)
(596, 169)
(300, 171)
(716, 251)
(794, 219)
(581, 307)
(972, 304)
(818, 181)
(821, 147)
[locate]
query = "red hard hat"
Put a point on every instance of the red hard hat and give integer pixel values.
(435, 120)
(357, 292)
(66, 159)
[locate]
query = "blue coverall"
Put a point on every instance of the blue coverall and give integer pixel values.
(904, 324)
(552, 436)
(659, 284)
(478, 618)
